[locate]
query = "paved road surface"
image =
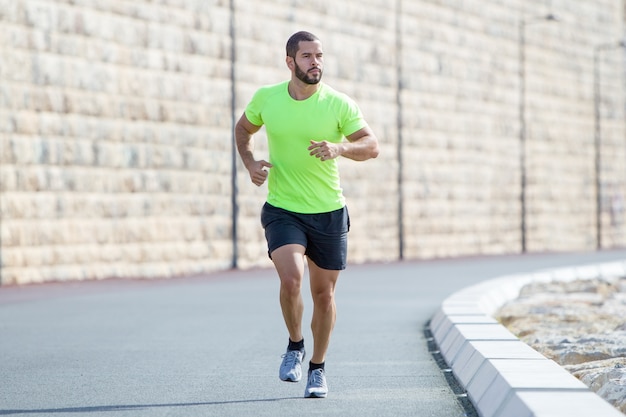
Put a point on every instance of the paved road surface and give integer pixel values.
(211, 346)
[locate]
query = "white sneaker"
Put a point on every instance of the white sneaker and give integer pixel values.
(316, 385)
(291, 367)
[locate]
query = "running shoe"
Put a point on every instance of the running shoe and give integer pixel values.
(291, 367)
(316, 385)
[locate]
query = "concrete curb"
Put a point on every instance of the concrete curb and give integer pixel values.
(502, 375)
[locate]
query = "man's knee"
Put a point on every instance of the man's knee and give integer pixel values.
(290, 286)
(323, 299)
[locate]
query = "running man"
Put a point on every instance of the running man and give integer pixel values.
(305, 213)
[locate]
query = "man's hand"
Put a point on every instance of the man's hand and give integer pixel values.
(258, 172)
(324, 150)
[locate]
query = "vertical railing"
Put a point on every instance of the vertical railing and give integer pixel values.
(522, 24)
(233, 106)
(399, 124)
(597, 100)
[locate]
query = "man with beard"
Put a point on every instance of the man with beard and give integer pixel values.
(305, 213)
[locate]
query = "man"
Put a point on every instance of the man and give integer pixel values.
(305, 213)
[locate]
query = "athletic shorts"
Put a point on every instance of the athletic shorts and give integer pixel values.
(324, 235)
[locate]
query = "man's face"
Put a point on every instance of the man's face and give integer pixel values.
(309, 62)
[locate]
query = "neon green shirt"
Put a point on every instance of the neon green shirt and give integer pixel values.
(297, 181)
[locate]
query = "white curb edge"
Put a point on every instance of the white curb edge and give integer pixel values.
(502, 375)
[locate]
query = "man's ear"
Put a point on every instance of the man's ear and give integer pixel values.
(290, 62)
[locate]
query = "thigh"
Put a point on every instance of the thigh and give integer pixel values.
(322, 280)
(289, 263)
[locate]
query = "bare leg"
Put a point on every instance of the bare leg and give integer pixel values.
(324, 311)
(289, 262)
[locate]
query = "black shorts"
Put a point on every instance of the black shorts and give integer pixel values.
(324, 235)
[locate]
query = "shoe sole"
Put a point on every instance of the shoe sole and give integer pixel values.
(315, 395)
(291, 380)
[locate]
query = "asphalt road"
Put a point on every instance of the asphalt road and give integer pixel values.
(211, 346)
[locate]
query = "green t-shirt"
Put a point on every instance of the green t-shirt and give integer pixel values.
(297, 181)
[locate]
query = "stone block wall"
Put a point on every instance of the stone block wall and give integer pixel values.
(115, 123)
(116, 129)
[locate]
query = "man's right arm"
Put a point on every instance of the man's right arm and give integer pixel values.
(244, 130)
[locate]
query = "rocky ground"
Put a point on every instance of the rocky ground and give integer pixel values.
(579, 324)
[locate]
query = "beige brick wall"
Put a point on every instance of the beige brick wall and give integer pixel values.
(115, 126)
(116, 129)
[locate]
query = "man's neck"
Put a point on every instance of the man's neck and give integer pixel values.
(299, 90)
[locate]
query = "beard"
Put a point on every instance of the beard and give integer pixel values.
(305, 78)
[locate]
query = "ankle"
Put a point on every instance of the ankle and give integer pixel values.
(314, 366)
(295, 345)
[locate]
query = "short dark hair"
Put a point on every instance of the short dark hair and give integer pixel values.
(295, 39)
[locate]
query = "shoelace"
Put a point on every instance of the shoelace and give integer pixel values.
(317, 378)
(290, 358)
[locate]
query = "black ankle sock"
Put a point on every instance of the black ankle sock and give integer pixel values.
(314, 366)
(296, 345)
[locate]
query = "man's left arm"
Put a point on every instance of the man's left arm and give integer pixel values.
(361, 145)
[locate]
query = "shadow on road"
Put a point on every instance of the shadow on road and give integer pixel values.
(130, 407)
